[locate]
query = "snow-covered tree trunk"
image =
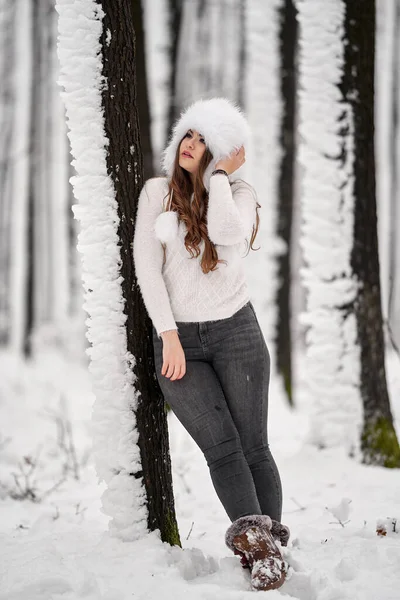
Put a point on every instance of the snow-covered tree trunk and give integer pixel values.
(262, 104)
(384, 135)
(379, 441)
(387, 101)
(97, 55)
(288, 48)
(332, 362)
(345, 354)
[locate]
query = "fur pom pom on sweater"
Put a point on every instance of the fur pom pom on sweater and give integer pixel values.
(179, 290)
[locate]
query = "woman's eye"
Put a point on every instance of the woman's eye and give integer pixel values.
(188, 135)
(202, 140)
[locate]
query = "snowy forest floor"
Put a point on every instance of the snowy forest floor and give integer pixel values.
(60, 549)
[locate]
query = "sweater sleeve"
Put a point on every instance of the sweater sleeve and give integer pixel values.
(231, 211)
(148, 258)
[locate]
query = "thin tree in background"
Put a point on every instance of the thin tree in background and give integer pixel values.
(40, 269)
(210, 51)
(175, 19)
(7, 116)
(143, 104)
(394, 210)
(288, 47)
(35, 149)
(379, 443)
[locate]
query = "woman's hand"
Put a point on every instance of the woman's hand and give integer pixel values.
(174, 361)
(235, 160)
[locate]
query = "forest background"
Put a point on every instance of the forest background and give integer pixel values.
(328, 304)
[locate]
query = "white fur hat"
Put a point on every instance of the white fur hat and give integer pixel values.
(223, 126)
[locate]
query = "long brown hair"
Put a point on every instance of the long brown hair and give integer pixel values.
(194, 214)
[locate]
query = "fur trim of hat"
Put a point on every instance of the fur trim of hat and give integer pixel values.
(242, 524)
(223, 126)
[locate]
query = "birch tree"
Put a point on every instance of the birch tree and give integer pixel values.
(98, 72)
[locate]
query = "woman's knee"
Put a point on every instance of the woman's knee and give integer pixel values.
(257, 454)
(223, 453)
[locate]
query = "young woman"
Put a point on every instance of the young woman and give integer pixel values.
(211, 359)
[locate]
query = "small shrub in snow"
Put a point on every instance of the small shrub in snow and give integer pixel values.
(387, 526)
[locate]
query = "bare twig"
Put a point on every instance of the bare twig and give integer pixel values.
(190, 530)
(298, 504)
(339, 522)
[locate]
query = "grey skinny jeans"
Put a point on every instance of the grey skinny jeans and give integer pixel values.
(222, 401)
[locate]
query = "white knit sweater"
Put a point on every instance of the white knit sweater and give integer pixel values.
(179, 290)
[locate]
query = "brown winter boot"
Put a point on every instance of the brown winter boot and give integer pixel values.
(279, 532)
(252, 538)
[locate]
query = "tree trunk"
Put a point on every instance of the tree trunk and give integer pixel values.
(288, 48)
(34, 154)
(378, 442)
(242, 54)
(175, 13)
(125, 166)
(7, 116)
(39, 293)
(394, 240)
(143, 103)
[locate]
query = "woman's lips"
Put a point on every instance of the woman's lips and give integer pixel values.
(186, 155)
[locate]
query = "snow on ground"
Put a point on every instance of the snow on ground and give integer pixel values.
(60, 549)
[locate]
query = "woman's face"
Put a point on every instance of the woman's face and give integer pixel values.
(191, 151)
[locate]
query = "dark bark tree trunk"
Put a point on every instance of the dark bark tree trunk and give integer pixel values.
(142, 94)
(288, 47)
(175, 17)
(125, 166)
(378, 441)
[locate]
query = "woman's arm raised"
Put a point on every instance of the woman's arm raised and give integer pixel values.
(231, 211)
